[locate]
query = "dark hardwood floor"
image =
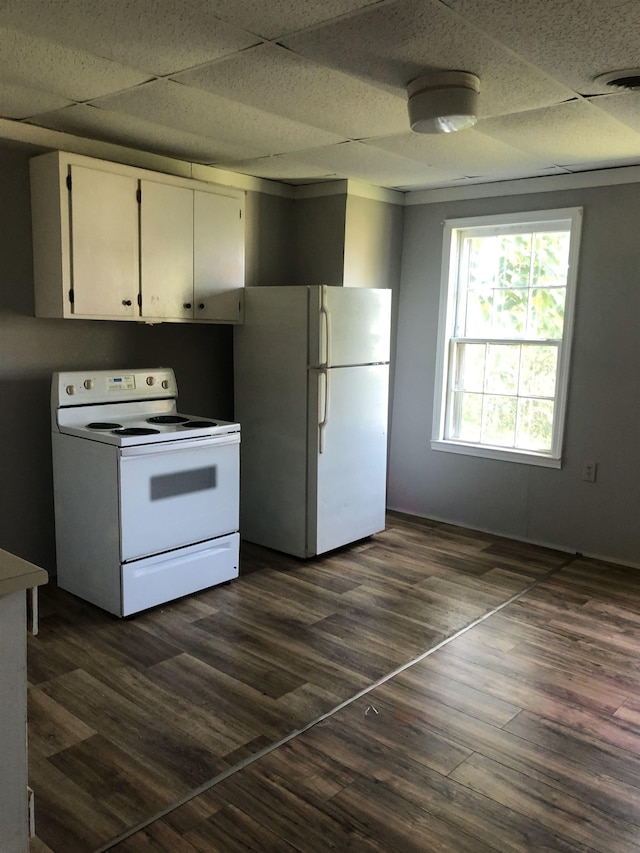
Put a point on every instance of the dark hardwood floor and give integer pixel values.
(334, 705)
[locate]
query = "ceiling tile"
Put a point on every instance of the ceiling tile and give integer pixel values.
(93, 123)
(506, 176)
(573, 40)
(288, 168)
(624, 106)
(19, 102)
(75, 75)
(275, 79)
(256, 133)
(467, 153)
(160, 36)
(566, 134)
(393, 43)
(374, 166)
(277, 17)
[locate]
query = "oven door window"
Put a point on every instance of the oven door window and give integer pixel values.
(175, 497)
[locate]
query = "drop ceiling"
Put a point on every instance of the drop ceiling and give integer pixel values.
(301, 91)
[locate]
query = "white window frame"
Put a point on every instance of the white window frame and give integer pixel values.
(455, 230)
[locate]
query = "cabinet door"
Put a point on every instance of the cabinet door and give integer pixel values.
(218, 257)
(166, 250)
(104, 243)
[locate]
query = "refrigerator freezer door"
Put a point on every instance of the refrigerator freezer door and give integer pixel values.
(347, 480)
(348, 325)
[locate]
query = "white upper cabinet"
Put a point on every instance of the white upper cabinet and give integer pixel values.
(116, 242)
(166, 250)
(104, 243)
(218, 269)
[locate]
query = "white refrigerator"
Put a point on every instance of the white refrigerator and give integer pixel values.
(311, 368)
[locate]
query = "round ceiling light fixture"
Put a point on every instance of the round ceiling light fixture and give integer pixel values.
(443, 101)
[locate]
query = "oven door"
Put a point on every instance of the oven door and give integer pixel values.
(178, 493)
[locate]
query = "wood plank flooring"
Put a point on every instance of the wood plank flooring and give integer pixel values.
(523, 733)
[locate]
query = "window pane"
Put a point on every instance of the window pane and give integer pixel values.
(538, 371)
(468, 408)
(535, 424)
(484, 256)
(503, 365)
(499, 420)
(479, 313)
(546, 319)
(514, 267)
(509, 315)
(471, 366)
(551, 252)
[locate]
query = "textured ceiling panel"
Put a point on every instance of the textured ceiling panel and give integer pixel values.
(20, 102)
(159, 36)
(276, 17)
(575, 40)
(567, 134)
(121, 129)
(394, 43)
(507, 175)
(76, 75)
(291, 168)
(468, 153)
(329, 99)
(364, 163)
(224, 121)
(624, 106)
(274, 79)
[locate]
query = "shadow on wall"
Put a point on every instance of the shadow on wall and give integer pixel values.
(26, 496)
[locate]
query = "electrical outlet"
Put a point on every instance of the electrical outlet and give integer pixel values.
(589, 470)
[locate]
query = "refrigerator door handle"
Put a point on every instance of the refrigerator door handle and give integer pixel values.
(326, 323)
(323, 406)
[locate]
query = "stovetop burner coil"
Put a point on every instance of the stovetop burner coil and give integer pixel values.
(136, 431)
(167, 419)
(103, 425)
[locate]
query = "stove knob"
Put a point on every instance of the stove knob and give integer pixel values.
(165, 384)
(70, 389)
(151, 380)
(88, 384)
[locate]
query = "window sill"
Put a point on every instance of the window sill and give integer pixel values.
(502, 454)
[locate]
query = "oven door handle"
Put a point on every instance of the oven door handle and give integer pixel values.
(179, 445)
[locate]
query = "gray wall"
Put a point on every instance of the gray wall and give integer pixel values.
(317, 240)
(32, 348)
(543, 505)
(372, 243)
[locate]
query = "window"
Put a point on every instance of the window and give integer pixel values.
(506, 317)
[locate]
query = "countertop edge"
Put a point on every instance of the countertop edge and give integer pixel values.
(17, 574)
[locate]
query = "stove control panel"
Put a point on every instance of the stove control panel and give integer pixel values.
(82, 388)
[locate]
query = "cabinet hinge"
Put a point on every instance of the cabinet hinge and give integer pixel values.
(69, 182)
(71, 296)
(139, 195)
(140, 300)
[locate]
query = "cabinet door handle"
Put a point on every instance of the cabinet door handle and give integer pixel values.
(126, 302)
(201, 306)
(187, 305)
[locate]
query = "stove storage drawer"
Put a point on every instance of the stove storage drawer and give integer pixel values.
(177, 493)
(154, 580)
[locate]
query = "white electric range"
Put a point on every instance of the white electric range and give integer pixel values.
(146, 498)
